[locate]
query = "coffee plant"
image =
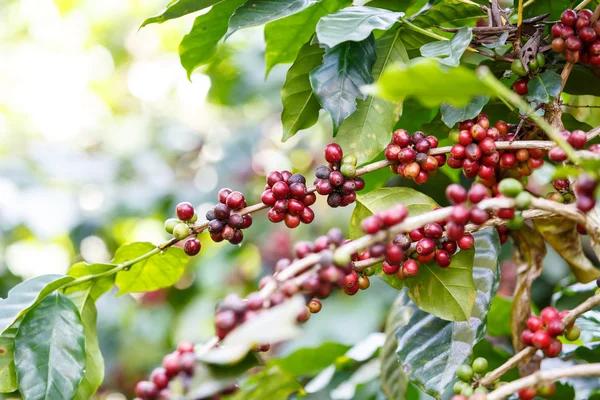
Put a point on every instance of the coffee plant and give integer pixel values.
(476, 99)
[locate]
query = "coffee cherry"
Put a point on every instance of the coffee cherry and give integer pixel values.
(558, 45)
(553, 349)
(454, 230)
(527, 393)
(465, 373)
(389, 269)
(235, 200)
(460, 214)
(546, 389)
(572, 333)
(479, 216)
(466, 242)
(192, 247)
(160, 378)
(442, 258)
(467, 391)
(458, 387)
(172, 364)
(170, 224)
(146, 390)
(425, 246)
(572, 56)
(348, 170)
(516, 222)
(520, 86)
(573, 43)
(433, 230)
(410, 268)
(568, 17)
(314, 306)
(541, 339)
(185, 211)
(527, 337)
(392, 152)
(510, 187)
(556, 327)
(517, 68)
(535, 323)
(477, 193)
(333, 153)
(181, 231)
(548, 314)
(371, 225)
(363, 282)
(393, 254)
(456, 194)
(480, 365)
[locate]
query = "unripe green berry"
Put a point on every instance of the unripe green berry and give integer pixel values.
(170, 224)
(510, 187)
(459, 386)
(181, 231)
(518, 68)
(465, 373)
(454, 135)
(541, 60)
(481, 389)
(349, 159)
(516, 222)
(480, 365)
(467, 392)
(342, 257)
(573, 333)
(523, 200)
(348, 170)
(369, 271)
(194, 218)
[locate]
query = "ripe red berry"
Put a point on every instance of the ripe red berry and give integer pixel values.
(556, 30)
(477, 193)
(455, 231)
(470, 168)
(527, 393)
(466, 242)
(146, 390)
(505, 213)
(558, 45)
(371, 225)
(291, 221)
(235, 200)
(192, 247)
(479, 216)
(458, 151)
(442, 258)
(553, 349)
(394, 215)
(172, 364)
(460, 214)
(573, 43)
(416, 234)
(557, 154)
(520, 86)
(222, 195)
(456, 194)
(425, 246)
(394, 254)
(526, 337)
(464, 138)
(535, 323)
(556, 327)
(585, 203)
(473, 152)
(587, 34)
(333, 153)
(423, 146)
(433, 230)
(568, 17)
(577, 139)
(548, 314)
(392, 152)
(160, 378)
(185, 211)
(336, 178)
(389, 269)
(410, 268)
(401, 138)
(478, 132)
(541, 339)
(572, 56)
(307, 216)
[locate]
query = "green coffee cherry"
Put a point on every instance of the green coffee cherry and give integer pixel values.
(541, 60)
(369, 271)
(517, 68)
(533, 65)
(181, 231)
(341, 258)
(170, 224)
(453, 135)
(480, 365)
(523, 200)
(349, 159)
(516, 222)
(467, 392)
(194, 218)
(348, 170)
(459, 386)
(573, 333)
(465, 373)
(481, 389)
(510, 187)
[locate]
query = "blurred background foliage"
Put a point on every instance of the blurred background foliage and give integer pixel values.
(101, 134)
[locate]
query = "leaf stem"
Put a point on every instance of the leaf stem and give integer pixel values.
(422, 31)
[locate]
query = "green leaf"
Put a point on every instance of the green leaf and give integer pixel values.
(94, 363)
(561, 234)
(367, 131)
(431, 83)
(94, 287)
(452, 115)
(457, 12)
(499, 316)
(160, 270)
(337, 82)
(544, 87)
(300, 105)
(285, 37)
(408, 6)
(50, 350)
(354, 24)
(394, 381)
(449, 52)
(431, 349)
(179, 8)
(26, 295)
(415, 115)
(579, 80)
(200, 45)
(259, 12)
(8, 376)
(311, 361)
(271, 383)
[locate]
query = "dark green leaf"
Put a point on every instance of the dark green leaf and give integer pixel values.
(8, 376)
(431, 349)
(561, 234)
(452, 115)
(311, 361)
(158, 271)
(499, 316)
(26, 295)
(367, 131)
(415, 115)
(259, 12)
(571, 123)
(354, 24)
(431, 83)
(449, 52)
(271, 383)
(545, 87)
(571, 296)
(579, 80)
(285, 37)
(408, 6)
(179, 8)
(338, 81)
(50, 350)
(93, 288)
(200, 45)
(394, 381)
(300, 104)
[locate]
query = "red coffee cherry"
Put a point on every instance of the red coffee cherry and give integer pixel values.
(333, 153)
(553, 349)
(466, 242)
(548, 314)
(527, 337)
(556, 327)
(192, 247)
(527, 393)
(535, 323)
(410, 268)
(520, 86)
(456, 194)
(185, 211)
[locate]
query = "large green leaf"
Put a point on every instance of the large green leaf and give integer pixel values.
(94, 363)
(430, 82)
(310, 361)
(338, 81)
(449, 52)
(561, 234)
(26, 295)
(93, 288)
(50, 350)
(179, 8)
(408, 6)
(367, 131)
(579, 80)
(452, 115)
(157, 271)
(457, 12)
(300, 104)
(545, 87)
(285, 37)
(431, 349)
(271, 383)
(394, 381)
(200, 45)
(453, 286)
(8, 376)
(354, 24)
(258, 12)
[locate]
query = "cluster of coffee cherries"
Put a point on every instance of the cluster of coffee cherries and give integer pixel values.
(517, 67)
(181, 226)
(411, 155)
(577, 139)
(542, 331)
(223, 222)
(338, 180)
(577, 38)
(180, 362)
(288, 198)
(466, 373)
(585, 186)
